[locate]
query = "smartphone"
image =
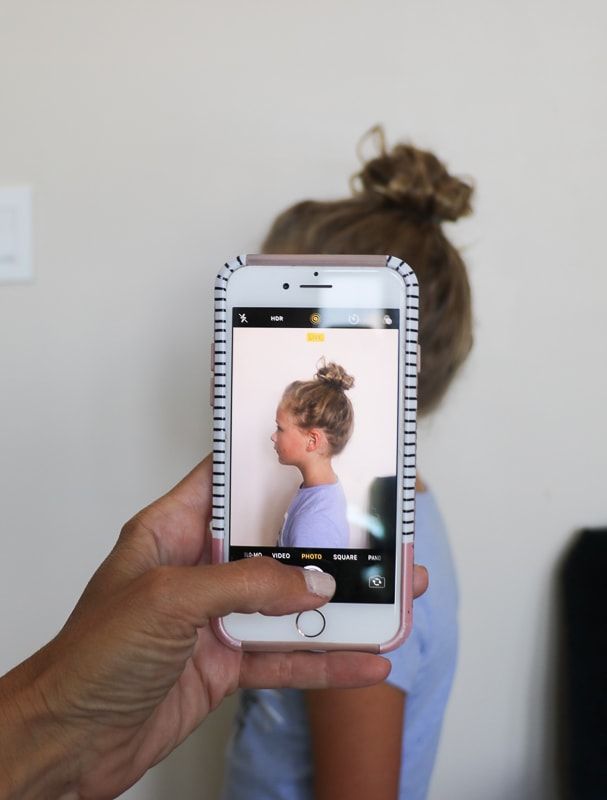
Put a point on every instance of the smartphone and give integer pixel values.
(333, 492)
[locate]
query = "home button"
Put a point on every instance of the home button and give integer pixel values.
(310, 623)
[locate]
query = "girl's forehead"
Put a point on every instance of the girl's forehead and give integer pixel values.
(284, 412)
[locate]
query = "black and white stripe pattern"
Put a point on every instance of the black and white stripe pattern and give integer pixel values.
(220, 337)
(219, 394)
(410, 410)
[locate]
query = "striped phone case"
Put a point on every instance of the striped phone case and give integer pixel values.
(409, 415)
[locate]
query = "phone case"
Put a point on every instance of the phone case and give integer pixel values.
(218, 401)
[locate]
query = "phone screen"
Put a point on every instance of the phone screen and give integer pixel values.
(346, 525)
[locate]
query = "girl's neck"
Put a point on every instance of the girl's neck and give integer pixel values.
(317, 473)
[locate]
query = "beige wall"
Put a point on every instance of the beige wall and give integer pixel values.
(161, 137)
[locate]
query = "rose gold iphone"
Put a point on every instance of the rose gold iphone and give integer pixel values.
(314, 418)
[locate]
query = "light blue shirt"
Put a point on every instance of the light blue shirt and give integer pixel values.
(317, 517)
(269, 756)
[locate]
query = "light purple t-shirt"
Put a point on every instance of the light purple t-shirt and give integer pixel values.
(316, 518)
(269, 756)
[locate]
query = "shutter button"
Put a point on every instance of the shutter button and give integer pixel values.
(310, 623)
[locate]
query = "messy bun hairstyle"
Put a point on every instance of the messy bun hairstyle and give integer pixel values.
(322, 403)
(400, 198)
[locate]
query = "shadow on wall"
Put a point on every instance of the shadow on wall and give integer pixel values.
(544, 776)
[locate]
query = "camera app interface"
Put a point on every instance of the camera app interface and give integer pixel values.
(314, 443)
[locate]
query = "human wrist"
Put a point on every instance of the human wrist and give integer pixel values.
(38, 756)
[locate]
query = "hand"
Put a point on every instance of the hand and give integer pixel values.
(137, 666)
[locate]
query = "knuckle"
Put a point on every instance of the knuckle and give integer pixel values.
(263, 573)
(129, 527)
(249, 567)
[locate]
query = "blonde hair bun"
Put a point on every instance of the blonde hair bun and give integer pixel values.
(400, 199)
(323, 403)
(413, 179)
(335, 375)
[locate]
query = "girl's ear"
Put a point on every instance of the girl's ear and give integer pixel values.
(315, 439)
(311, 440)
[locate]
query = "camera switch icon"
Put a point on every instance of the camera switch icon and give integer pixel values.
(377, 582)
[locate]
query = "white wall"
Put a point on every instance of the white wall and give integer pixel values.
(159, 138)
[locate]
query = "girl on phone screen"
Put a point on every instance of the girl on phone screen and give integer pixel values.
(314, 422)
(378, 742)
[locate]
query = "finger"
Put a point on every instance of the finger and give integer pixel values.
(312, 670)
(195, 489)
(420, 580)
(197, 594)
(173, 529)
(179, 521)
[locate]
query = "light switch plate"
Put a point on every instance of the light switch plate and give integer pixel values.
(15, 234)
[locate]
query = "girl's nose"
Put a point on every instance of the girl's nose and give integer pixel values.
(273, 438)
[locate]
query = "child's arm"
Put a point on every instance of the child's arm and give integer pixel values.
(356, 741)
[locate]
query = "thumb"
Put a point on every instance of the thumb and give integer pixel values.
(420, 580)
(250, 585)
